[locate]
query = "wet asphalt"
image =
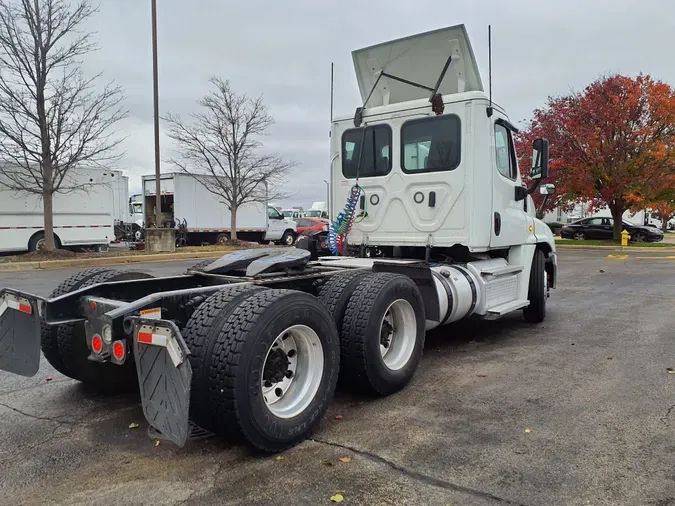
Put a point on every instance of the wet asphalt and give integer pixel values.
(577, 410)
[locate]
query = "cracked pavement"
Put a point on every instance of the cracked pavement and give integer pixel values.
(591, 384)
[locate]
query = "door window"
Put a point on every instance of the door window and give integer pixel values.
(594, 222)
(431, 144)
(376, 157)
(273, 214)
(506, 159)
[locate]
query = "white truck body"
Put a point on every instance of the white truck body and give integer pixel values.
(81, 218)
(437, 181)
(137, 215)
(208, 219)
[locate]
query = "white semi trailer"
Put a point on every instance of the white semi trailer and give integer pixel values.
(85, 217)
(185, 200)
(251, 345)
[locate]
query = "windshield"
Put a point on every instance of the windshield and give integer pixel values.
(313, 214)
(137, 207)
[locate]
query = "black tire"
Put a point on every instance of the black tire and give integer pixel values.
(49, 334)
(200, 335)
(288, 239)
(223, 239)
(33, 243)
(72, 344)
(363, 367)
(237, 407)
(201, 265)
(579, 236)
(638, 237)
(337, 291)
(537, 292)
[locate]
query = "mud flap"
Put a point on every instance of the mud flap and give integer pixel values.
(19, 334)
(164, 376)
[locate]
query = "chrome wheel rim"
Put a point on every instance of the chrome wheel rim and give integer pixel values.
(289, 240)
(398, 334)
(292, 371)
(579, 236)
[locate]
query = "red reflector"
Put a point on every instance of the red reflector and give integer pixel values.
(96, 343)
(118, 350)
(92, 305)
(145, 337)
(25, 308)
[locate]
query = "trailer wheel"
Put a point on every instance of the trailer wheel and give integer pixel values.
(49, 334)
(74, 352)
(273, 370)
(382, 334)
(537, 292)
(337, 291)
(223, 239)
(39, 241)
(200, 335)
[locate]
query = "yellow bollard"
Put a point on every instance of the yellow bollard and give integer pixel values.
(625, 237)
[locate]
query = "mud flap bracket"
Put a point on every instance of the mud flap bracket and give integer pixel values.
(19, 333)
(164, 376)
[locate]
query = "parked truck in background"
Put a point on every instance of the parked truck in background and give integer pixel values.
(251, 345)
(185, 201)
(85, 217)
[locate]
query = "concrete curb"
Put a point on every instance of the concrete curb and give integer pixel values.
(94, 262)
(613, 248)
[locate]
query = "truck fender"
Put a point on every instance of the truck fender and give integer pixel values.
(423, 278)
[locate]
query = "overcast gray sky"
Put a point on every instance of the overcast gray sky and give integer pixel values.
(283, 51)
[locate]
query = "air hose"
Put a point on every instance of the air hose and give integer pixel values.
(342, 224)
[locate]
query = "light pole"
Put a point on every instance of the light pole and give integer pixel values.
(155, 90)
(327, 197)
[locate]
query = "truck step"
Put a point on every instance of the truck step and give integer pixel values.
(507, 307)
(500, 271)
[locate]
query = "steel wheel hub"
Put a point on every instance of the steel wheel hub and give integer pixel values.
(398, 334)
(292, 371)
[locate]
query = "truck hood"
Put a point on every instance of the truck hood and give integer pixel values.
(418, 58)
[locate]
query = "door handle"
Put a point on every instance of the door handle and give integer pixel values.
(498, 223)
(432, 199)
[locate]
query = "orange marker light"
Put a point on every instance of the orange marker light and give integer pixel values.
(96, 343)
(530, 228)
(25, 308)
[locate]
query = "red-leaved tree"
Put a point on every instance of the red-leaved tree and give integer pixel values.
(612, 144)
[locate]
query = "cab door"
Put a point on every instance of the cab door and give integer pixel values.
(509, 220)
(275, 224)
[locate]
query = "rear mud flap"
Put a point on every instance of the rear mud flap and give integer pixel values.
(164, 376)
(19, 334)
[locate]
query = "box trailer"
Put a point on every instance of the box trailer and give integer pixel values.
(186, 202)
(84, 217)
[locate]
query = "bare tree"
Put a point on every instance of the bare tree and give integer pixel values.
(52, 119)
(221, 148)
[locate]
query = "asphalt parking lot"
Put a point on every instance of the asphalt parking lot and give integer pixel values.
(577, 410)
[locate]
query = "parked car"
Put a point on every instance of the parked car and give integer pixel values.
(311, 224)
(603, 228)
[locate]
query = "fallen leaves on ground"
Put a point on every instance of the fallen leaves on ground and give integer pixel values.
(528, 430)
(48, 378)
(610, 358)
(328, 463)
(337, 498)
(280, 457)
(601, 271)
(670, 370)
(157, 443)
(346, 460)
(338, 417)
(134, 425)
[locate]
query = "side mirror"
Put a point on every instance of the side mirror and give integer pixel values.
(547, 189)
(539, 168)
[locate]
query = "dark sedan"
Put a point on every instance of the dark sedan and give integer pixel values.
(603, 228)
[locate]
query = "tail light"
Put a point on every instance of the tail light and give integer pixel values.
(97, 343)
(119, 352)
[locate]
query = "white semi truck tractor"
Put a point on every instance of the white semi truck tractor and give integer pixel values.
(432, 224)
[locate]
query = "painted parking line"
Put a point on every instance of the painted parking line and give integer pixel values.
(670, 257)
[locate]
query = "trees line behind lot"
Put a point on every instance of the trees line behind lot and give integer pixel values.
(612, 144)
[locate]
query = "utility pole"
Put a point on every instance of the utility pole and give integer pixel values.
(155, 86)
